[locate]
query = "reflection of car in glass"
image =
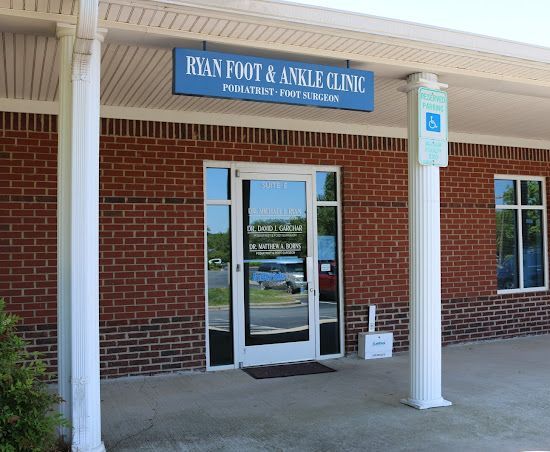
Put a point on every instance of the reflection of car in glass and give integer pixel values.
(281, 275)
(327, 281)
(217, 264)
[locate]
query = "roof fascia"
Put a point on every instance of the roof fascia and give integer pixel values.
(131, 31)
(363, 23)
(360, 61)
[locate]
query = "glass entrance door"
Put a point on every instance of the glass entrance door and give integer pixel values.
(275, 274)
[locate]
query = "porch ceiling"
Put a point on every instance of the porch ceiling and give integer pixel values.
(489, 94)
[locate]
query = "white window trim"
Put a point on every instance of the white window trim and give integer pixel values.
(519, 208)
(214, 202)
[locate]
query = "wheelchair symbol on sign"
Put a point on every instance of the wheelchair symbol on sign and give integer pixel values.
(433, 122)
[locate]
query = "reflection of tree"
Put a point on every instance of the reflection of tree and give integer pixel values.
(326, 220)
(509, 195)
(506, 235)
(506, 222)
(329, 192)
(532, 195)
(219, 245)
(532, 248)
(532, 233)
(506, 227)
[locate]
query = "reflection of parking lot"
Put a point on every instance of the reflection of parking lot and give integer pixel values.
(218, 279)
(276, 318)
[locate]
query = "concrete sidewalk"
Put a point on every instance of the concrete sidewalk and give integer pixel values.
(500, 391)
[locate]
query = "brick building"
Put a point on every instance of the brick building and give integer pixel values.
(188, 188)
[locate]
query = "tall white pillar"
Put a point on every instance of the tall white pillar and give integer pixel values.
(86, 402)
(65, 34)
(424, 262)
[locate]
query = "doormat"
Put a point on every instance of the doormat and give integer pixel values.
(287, 370)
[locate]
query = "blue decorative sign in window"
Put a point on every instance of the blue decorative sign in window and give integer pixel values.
(214, 74)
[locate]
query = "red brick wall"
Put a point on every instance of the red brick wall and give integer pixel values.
(28, 237)
(151, 237)
(471, 308)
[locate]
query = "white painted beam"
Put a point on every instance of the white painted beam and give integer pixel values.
(268, 122)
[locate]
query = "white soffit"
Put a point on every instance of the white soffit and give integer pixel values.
(489, 94)
(305, 30)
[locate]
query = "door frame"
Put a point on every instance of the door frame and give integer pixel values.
(302, 350)
(265, 169)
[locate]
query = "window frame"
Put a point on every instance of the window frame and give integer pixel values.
(519, 208)
(217, 202)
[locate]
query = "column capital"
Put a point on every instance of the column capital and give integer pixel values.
(422, 80)
(81, 59)
(64, 29)
(100, 34)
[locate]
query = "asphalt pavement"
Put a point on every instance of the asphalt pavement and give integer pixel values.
(218, 279)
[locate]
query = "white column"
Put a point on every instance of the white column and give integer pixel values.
(65, 34)
(86, 409)
(424, 263)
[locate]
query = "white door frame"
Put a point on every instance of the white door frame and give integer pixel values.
(265, 169)
(283, 352)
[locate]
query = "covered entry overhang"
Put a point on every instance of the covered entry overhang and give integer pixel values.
(498, 94)
(498, 90)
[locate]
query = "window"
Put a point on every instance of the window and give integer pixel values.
(241, 309)
(521, 233)
(218, 262)
(328, 262)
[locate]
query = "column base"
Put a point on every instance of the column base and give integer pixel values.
(425, 404)
(100, 448)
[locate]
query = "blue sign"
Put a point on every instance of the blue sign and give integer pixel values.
(264, 276)
(326, 245)
(433, 122)
(214, 74)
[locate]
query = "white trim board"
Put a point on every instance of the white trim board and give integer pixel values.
(266, 122)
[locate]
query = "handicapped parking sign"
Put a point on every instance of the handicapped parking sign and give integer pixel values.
(433, 122)
(432, 114)
(433, 148)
